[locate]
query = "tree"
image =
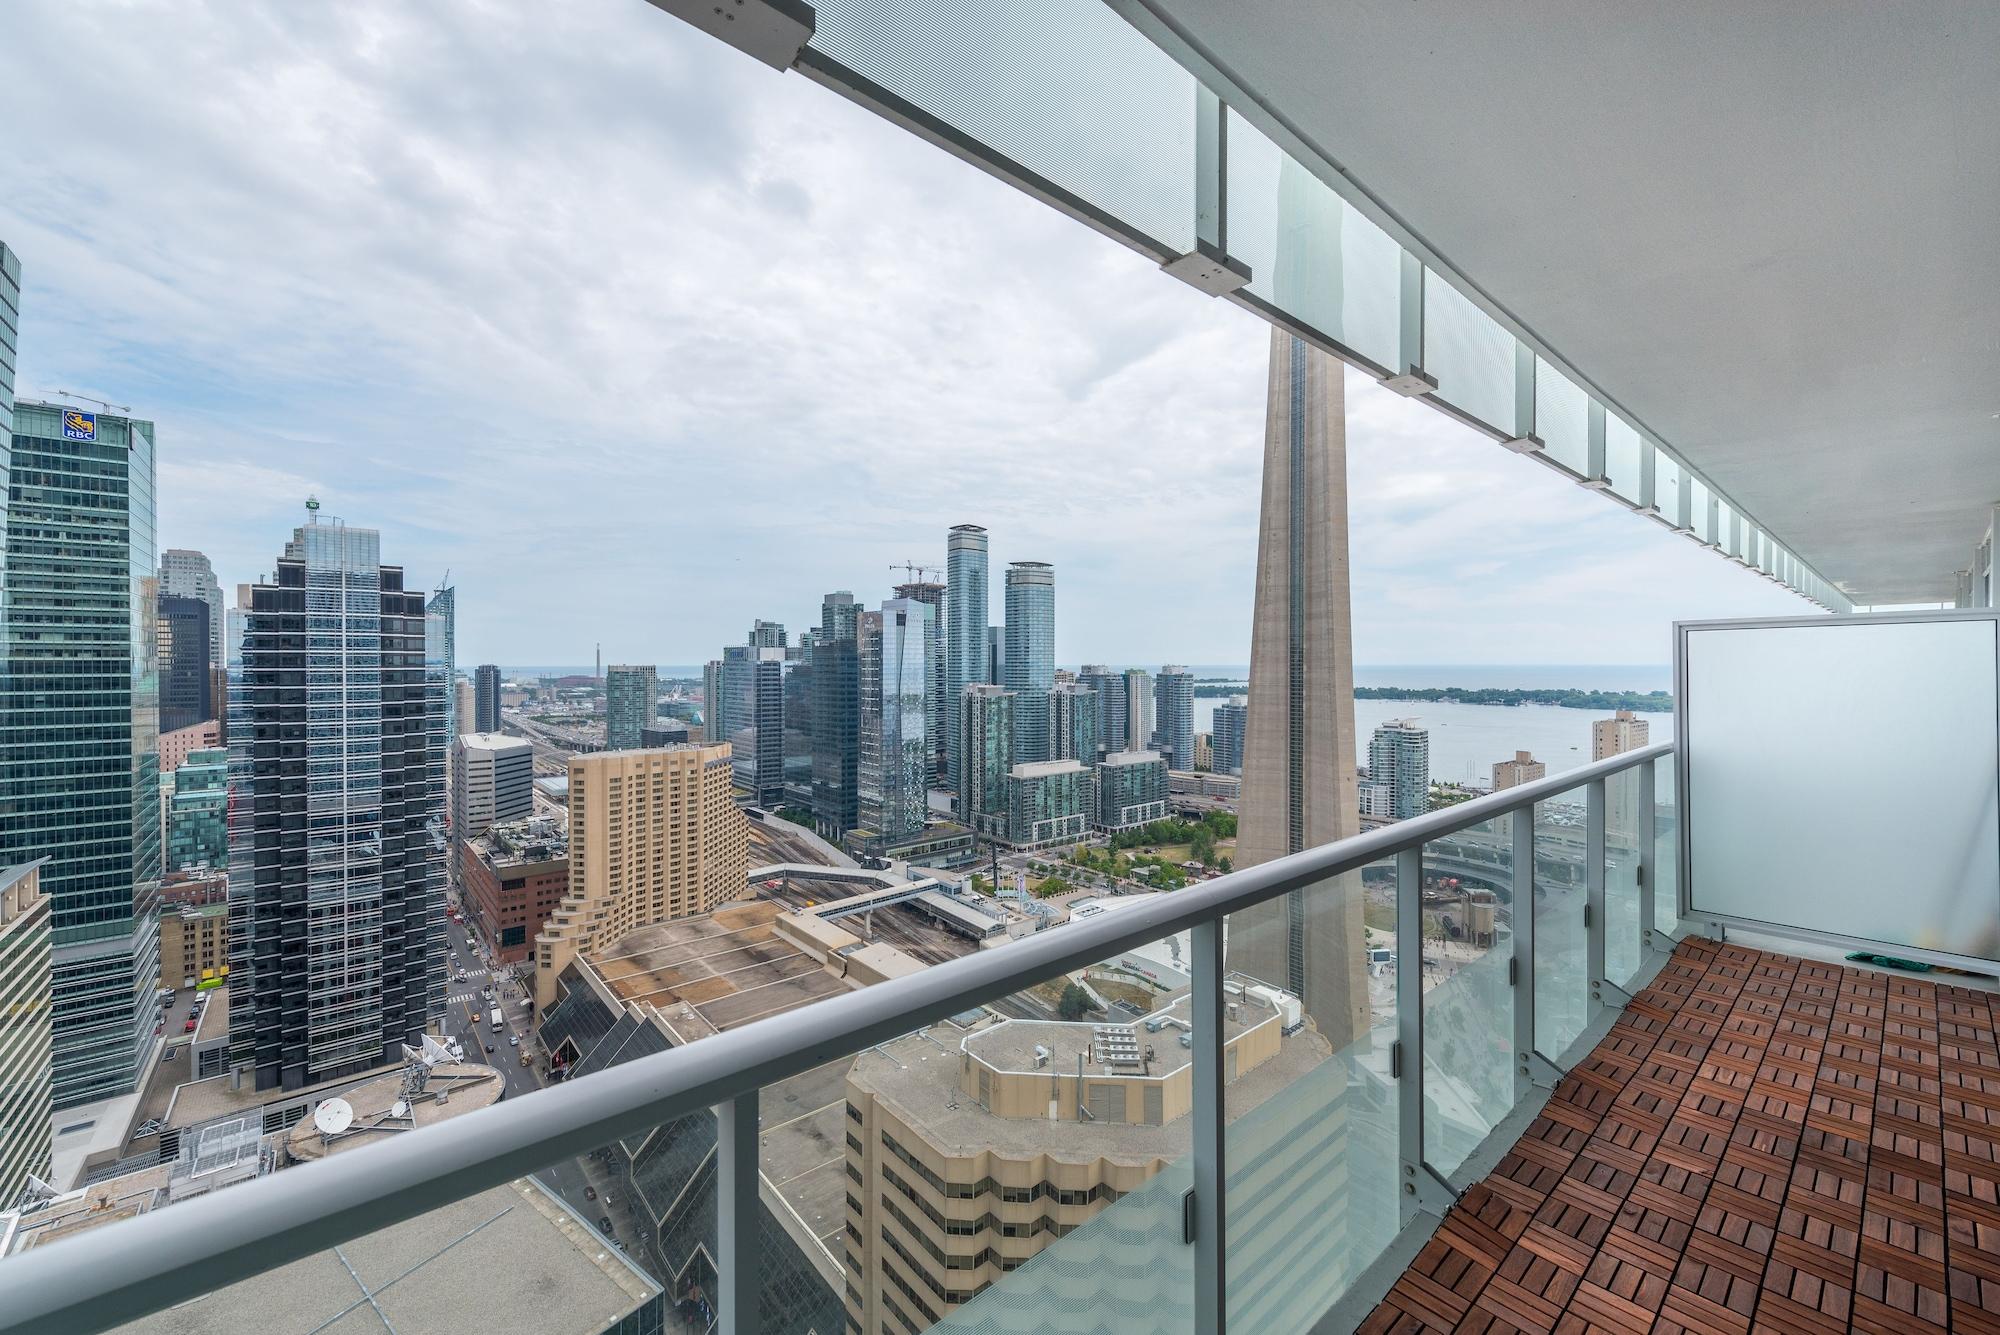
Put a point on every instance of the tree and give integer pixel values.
(1054, 885)
(980, 885)
(1075, 1003)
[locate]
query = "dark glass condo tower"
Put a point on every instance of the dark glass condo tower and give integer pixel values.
(336, 859)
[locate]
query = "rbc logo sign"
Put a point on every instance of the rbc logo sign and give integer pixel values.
(79, 426)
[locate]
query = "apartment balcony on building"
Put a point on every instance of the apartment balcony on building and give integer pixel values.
(1701, 1033)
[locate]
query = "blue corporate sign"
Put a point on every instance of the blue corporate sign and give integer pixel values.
(79, 426)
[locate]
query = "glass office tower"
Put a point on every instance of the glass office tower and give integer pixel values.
(631, 700)
(79, 727)
(1031, 655)
(901, 801)
(965, 629)
(1173, 716)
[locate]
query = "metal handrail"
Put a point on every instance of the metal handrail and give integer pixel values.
(117, 1273)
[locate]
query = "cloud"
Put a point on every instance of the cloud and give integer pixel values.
(641, 340)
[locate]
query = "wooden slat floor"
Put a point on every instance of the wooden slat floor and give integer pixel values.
(1761, 1143)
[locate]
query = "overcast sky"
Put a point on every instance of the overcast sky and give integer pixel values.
(641, 341)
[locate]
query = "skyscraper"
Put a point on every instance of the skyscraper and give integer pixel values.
(1031, 655)
(1173, 701)
(996, 655)
(186, 687)
(631, 702)
(965, 629)
(188, 574)
(766, 634)
(336, 870)
(442, 610)
(837, 709)
(198, 811)
(1073, 722)
(711, 701)
(1298, 745)
(1139, 722)
(1113, 708)
(1523, 768)
(932, 596)
(894, 797)
(1230, 718)
(485, 699)
(79, 727)
(753, 700)
(464, 707)
(1399, 762)
(986, 755)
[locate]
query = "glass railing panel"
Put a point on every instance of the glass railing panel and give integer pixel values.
(1562, 895)
(1311, 1151)
(1699, 519)
(1624, 822)
(1310, 253)
(1666, 848)
(1562, 418)
(1022, 1165)
(1667, 487)
(1623, 459)
(1071, 92)
(1468, 944)
(1470, 354)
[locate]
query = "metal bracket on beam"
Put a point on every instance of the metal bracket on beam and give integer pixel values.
(771, 31)
(1208, 270)
(1431, 1193)
(1610, 994)
(1540, 1070)
(1412, 384)
(1525, 444)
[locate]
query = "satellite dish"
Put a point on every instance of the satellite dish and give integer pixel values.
(400, 1108)
(333, 1116)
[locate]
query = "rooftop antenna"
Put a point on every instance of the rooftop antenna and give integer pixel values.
(108, 407)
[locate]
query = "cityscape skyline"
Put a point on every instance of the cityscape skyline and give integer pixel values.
(1046, 410)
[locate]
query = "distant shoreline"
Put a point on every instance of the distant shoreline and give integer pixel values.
(1639, 702)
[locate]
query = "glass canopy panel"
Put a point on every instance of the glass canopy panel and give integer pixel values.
(1471, 356)
(1070, 92)
(1310, 253)
(1623, 458)
(1667, 487)
(1698, 516)
(1562, 414)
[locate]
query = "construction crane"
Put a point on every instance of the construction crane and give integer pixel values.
(918, 574)
(108, 407)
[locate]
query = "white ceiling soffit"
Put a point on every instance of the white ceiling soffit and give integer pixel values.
(1768, 232)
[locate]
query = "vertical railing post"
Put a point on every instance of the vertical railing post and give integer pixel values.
(1411, 380)
(1648, 859)
(1210, 1245)
(1593, 871)
(1593, 447)
(1211, 170)
(1410, 1023)
(1524, 949)
(737, 1210)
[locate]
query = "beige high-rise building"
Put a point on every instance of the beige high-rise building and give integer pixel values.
(653, 835)
(973, 1146)
(1623, 731)
(1523, 768)
(1614, 736)
(1298, 749)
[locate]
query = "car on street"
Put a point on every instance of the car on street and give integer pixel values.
(604, 1223)
(489, 1047)
(513, 1040)
(590, 1193)
(188, 1028)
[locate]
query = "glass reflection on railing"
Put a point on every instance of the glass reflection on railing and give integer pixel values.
(1468, 909)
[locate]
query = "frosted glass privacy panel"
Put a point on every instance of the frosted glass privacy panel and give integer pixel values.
(1840, 776)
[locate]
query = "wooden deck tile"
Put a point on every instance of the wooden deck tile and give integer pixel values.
(1759, 1143)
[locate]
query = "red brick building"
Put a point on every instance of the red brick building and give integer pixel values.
(514, 875)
